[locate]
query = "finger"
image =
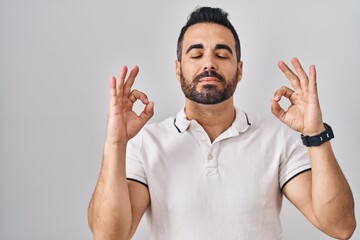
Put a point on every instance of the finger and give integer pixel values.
(112, 91)
(130, 80)
(277, 110)
(148, 112)
(304, 81)
(120, 81)
(283, 91)
(135, 95)
(312, 79)
(294, 80)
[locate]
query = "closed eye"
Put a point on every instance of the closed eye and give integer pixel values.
(196, 56)
(222, 56)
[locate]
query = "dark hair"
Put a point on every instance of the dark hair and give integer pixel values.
(209, 15)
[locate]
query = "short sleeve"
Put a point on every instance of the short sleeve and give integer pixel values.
(134, 164)
(295, 158)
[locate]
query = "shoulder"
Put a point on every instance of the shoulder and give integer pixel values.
(264, 124)
(270, 129)
(166, 126)
(163, 129)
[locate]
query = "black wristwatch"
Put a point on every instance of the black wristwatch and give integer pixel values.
(317, 140)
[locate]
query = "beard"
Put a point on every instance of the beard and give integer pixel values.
(208, 93)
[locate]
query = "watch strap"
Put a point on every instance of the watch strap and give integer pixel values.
(317, 140)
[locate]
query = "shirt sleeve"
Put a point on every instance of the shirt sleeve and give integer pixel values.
(134, 164)
(295, 158)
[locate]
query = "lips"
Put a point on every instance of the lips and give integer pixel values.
(209, 79)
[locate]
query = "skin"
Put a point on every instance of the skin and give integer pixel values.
(215, 119)
(322, 195)
(117, 205)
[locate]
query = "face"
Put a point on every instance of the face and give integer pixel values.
(208, 70)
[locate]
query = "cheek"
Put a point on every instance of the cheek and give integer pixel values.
(231, 71)
(188, 71)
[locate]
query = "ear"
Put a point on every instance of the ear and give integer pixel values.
(239, 67)
(178, 69)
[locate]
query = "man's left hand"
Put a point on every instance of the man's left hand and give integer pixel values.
(304, 114)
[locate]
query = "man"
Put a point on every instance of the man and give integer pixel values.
(213, 171)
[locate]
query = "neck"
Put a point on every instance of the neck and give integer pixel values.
(214, 118)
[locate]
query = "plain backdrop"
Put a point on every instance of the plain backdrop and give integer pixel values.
(56, 58)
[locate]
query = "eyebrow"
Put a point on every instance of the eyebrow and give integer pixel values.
(217, 46)
(224, 46)
(194, 46)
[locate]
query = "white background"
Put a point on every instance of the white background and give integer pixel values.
(56, 58)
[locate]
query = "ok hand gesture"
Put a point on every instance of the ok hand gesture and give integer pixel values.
(304, 114)
(123, 122)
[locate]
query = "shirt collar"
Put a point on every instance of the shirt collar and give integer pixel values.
(181, 123)
(240, 124)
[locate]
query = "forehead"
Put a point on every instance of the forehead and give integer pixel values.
(208, 34)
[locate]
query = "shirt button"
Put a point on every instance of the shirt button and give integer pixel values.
(210, 156)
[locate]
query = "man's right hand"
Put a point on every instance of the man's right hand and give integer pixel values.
(113, 214)
(123, 122)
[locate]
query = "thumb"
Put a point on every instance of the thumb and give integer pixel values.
(147, 113)
(277, 110)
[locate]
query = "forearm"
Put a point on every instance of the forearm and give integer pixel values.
(332, 200)
(110, 208)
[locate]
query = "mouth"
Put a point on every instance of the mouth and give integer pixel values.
(209, 80)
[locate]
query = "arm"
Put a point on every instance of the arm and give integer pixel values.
(323, 194)
(117, 205)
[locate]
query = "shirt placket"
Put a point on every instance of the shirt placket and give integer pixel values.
(210, 150)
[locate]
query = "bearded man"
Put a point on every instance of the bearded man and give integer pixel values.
(213, 171)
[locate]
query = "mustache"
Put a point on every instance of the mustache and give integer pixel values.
(209, 74)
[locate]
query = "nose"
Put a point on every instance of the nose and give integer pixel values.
(209, 63)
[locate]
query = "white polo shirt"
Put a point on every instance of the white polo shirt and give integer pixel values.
(228, 189)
